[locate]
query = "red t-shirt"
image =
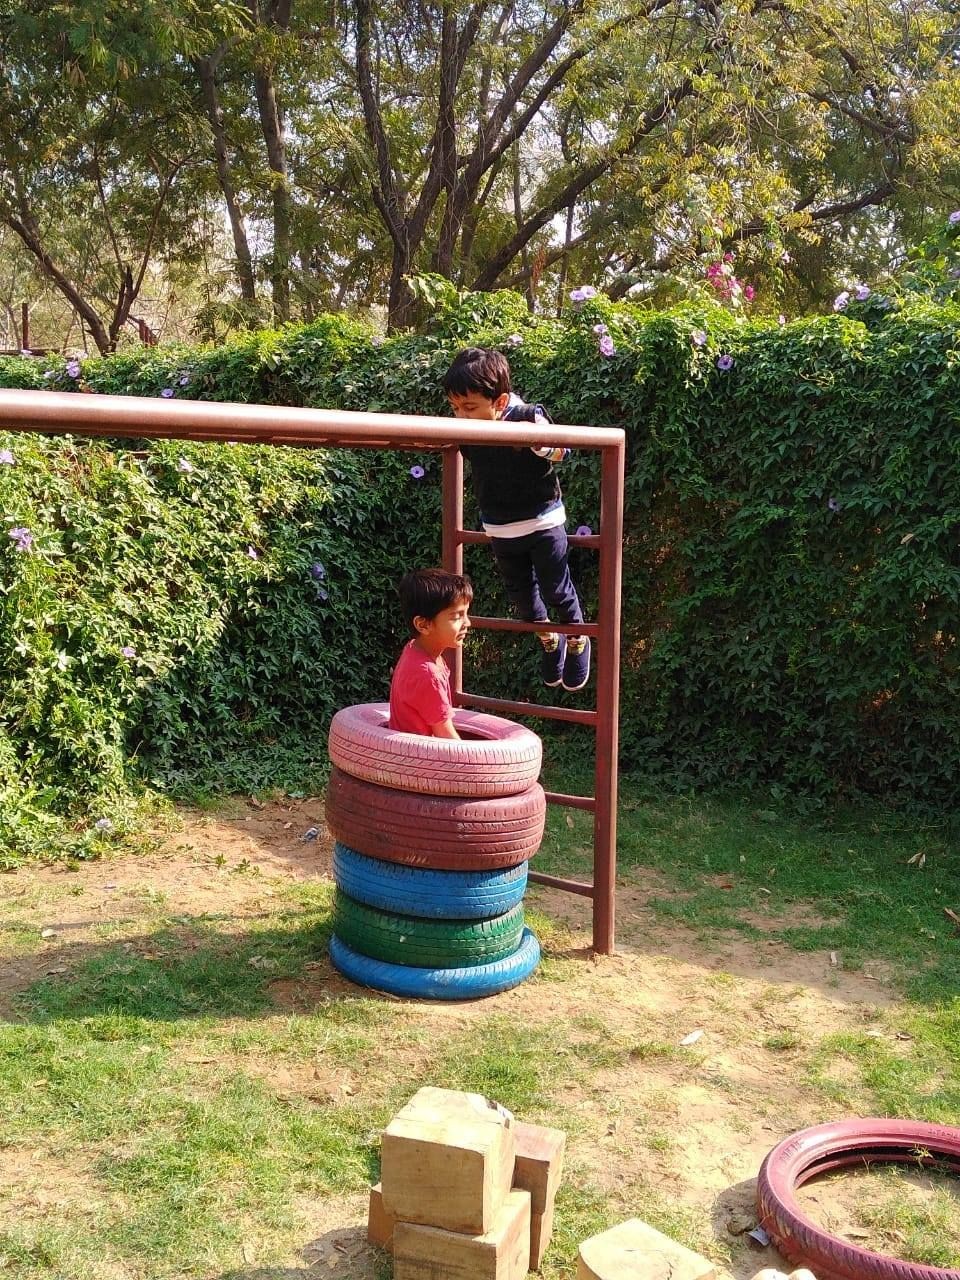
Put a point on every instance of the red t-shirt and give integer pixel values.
(419, 692)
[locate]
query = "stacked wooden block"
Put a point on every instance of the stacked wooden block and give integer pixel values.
(466, 1192)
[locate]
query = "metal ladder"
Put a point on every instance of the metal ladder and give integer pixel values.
(605, 637)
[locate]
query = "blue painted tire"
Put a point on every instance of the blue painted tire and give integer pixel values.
(437, 895)
(469, 983)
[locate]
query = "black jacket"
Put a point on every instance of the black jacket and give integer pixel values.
(510, 483)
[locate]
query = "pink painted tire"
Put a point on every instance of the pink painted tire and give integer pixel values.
(847, 1143)
(494, 757)
(445, 833)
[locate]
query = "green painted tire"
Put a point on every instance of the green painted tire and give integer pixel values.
(422, 943)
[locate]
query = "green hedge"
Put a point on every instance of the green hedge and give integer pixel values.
(791, 579)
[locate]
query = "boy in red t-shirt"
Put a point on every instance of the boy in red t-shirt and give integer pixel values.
(435, 606)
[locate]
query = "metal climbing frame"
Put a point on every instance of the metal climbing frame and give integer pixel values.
(63, 413)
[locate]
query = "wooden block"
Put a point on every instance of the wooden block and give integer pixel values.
(447, 1161)
(428, 1253)
(380, 1224)
(539, 1162)
(541, 1232)
(635, 1251)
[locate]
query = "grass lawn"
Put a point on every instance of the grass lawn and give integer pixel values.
(188, 1090)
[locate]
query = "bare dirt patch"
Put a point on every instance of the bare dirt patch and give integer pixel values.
(720, 1103)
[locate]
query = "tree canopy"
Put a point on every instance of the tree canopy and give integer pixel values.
(257, 159)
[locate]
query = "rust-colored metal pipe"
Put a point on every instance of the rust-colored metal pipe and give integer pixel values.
(60, 412)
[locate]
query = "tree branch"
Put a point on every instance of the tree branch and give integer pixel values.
(387, 198)
(26, 228)
(578, 184)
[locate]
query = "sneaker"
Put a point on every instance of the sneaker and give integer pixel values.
(576, 665)
(552, 658)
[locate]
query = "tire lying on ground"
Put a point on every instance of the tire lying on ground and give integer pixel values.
(425, 944)
(443, 832)
(416, 891)
(493, 757)
(466, 983)
(847, 1143)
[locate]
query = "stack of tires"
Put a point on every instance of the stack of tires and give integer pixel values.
(432, 838)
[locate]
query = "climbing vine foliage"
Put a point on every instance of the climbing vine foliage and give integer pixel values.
(172, 612)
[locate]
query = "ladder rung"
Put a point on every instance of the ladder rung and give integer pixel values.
(572, 802)
(513, 624)
(556, 882)
(525, 708)
(471, 536)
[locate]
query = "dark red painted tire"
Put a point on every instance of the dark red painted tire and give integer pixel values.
(493, 757)
(841, 1145)
(449, 833)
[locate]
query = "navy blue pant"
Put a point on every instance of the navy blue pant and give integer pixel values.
(537, 577)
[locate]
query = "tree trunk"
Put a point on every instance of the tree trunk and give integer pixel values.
(211, 101)
(518, 222)
(272, 126)
(565, 260)
(401, 304)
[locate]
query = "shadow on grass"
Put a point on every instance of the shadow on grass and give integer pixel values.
(187, 972)
(342, 1254)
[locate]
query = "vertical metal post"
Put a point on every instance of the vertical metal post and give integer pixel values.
(608, 701)
(452, 546)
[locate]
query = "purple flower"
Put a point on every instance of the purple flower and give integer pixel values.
(103, 824)
(781, 319)
(698, 337)
(583, 531)
(833, 504)
(954, 218)
(6, 457)
(749, 292)
(582, 294)
(184, 465)
(841, 300)
(184, 380)
(318, 571)
(724, 362)
(322, 594)
(128, 651)
(22, 538)
(167, 393)
(515, 340)
(73, 368)
(49, 373)
(253, 553)
(599, 329)
(606, 346)
(417, 472)
(862, 292)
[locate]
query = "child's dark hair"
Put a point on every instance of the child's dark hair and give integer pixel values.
(481, 370)
(426, 592)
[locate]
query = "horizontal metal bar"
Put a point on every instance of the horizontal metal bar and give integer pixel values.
(514, 624)
(470, 536)
(570, 714)
(571, 802)
(66, 412)
(555, 882)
